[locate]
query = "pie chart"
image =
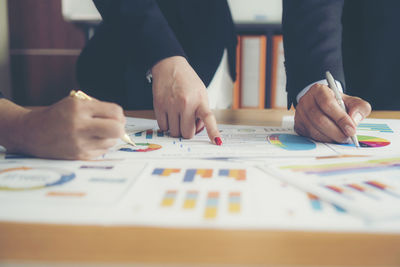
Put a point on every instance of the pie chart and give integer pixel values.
(370, 141)
(291, 142)
(140, 147)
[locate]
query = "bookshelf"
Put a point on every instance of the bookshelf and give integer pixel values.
(269, 30)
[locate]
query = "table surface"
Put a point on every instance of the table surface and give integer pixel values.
(102, 244)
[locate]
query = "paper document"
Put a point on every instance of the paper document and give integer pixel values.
(260, 178)
(368, 187)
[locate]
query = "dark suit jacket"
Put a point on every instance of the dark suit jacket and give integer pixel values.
(357, 40)
(136, 34)
(1, 95)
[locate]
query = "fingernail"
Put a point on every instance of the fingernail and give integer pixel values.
(349, 130)
(218, 141)
(200, 130)
(357, 118)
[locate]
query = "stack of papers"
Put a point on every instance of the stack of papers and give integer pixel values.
(260, 178)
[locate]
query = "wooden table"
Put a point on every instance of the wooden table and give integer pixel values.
(66, 243)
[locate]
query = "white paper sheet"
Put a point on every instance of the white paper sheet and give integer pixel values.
(63, 191)
(369, 187)
(238, 142)
(124, 188)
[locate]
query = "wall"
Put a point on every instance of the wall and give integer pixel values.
(43, 49)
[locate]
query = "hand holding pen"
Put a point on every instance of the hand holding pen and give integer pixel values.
(320, 116)
(339, 99)
(81, 95)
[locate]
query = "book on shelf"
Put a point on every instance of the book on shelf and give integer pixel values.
(278, 96)
(249, 89)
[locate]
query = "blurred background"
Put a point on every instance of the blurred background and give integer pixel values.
(40, 41)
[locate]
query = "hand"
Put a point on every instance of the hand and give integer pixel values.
(180, 100)
(319, 116)
(69, 129)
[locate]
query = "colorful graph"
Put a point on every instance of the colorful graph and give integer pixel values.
(149, 133)
(316, 204)
(368, 189)
(383, 187)
(234, 202)
(237, 174)
(379, 127)
(140, 147)
(190, 199)
(31, 178)
(370, 141)
(169, 198)
(335, 189)
(211, 209)
(347, 167)
(191, 173)
(291, 142)
(165, 171)
(361, 189)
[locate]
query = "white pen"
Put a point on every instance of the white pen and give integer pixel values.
(81, 95)
(339, 99)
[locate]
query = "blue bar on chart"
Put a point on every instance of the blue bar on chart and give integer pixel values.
(315, 202)
(160, 133)
(191, 173)
(165, 171)
(149, 134)
(379, 127)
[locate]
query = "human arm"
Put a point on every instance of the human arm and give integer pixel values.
(312, 44)
(154, 47)
(68, 129)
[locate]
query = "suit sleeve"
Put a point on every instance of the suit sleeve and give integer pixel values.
(144, 27)
(312, 32)
(1, 95)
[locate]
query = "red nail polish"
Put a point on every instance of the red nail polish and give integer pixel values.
(218, 141)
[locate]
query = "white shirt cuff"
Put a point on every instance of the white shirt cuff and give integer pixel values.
(324, 82)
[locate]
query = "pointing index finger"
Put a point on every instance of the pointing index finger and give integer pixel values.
(206, 115)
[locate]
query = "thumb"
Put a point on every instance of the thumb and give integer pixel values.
(357, 108)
